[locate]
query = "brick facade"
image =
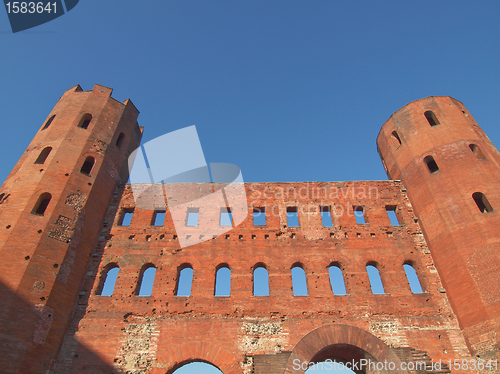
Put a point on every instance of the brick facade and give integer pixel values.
(55, 320)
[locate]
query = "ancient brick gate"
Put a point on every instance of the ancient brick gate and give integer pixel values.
(62, 226)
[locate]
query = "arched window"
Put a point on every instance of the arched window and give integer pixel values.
(375, 280)
(146, 280)
(119, 140)
(431, 118)
(431, 164)
(108, 280)
(184, 280)
(41, 204)
(395, 140)
(299, 282)
(85, 121)
(477, 151)
(87, 165)
(223, 281)
(260, 280)
(337, 279)
(49, 121)
(482, 202)
(412, 277)
(43, 155)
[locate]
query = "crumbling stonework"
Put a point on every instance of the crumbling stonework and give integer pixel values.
(139, 343)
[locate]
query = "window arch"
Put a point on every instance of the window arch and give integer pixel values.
(299, 281)
(184, 280)
(223, 281)
(412, 277)
(375, 279)
(49, 121)
(482, 202)
(260, 280)
(87, 165)
(43, 155)
(85, 121)
(337, 281)
(431, 118)
(477, 151)
(431, 164)
(41, 204)
(395, 139)
(119, 140)
(108, 280)
(146, 280)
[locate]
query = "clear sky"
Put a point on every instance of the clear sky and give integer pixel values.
(287, 90)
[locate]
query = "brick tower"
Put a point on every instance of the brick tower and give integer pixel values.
(52, 207)
(452, 173)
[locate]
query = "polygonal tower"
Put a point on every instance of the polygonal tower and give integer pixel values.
(52, 207)
(452, 174)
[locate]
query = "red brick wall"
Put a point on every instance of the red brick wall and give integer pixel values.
(227, 331)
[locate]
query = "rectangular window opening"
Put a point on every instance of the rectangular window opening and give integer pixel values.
(158, 218)
(391, 212)
(127, 217)
(192, 216)
(326, 216)
(359, 213)
(226, 217)
(292, 216)
(259, 216)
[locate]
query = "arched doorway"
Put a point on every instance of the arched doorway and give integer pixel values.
(356, 348)
(192, 355)
(197, 368)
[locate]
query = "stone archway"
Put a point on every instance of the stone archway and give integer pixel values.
(199, 352)
(181, 365)
(343, 343)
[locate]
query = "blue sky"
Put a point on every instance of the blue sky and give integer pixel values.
(287, 90)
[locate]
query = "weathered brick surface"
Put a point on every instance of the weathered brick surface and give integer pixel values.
(45, 257)
(243, 325)
(126, 333)
(464, 242)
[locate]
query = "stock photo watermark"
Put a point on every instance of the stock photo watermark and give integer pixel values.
(370, 365)
(162, 169)
(25, 15)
